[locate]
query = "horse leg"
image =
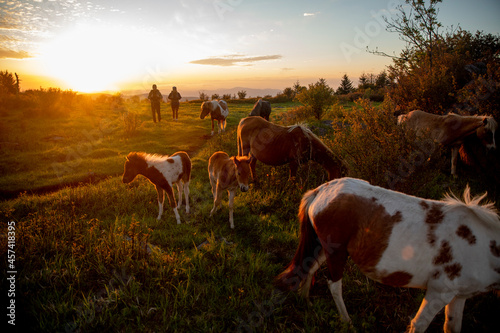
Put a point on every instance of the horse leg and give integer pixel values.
(217, 198)
(231, 193)
(453, 314)
(306, 284)
(171, 200)
(433, 302)
(294, 166)
(454, 159)
(336, 291)
(219, 122)
(253, 163)
(224, 125)
(337, 259)
(212, 127)
(186, 196)
(179, 189)
(161, 199)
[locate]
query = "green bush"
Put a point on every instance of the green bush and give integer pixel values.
(376, 149)
(317, 97)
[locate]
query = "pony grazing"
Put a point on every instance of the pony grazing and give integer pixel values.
(450, 130)
(450, 247)
(277, 145)
(228, 174)
(218, 111)
(261, 109)
(163, 172)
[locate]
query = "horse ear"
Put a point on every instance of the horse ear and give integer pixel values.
(235, 160)
(485, 121)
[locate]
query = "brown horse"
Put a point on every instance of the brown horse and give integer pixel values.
(228, 174)
(277, 145)
(451, 130)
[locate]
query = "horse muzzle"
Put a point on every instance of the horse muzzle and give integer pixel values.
(243, 187)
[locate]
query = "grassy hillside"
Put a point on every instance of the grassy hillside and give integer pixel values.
(93, 257)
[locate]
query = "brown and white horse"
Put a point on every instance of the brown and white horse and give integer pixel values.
(163, 171)
(277, 145)
(450, 247)
(451, 130)
(228, 174)
(218, 111)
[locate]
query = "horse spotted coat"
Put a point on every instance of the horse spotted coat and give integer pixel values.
(451, 248)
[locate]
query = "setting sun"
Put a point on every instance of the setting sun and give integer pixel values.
(93, 58)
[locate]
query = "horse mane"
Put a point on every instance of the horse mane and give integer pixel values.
(486, 212)
(141, 157)
(309, 134)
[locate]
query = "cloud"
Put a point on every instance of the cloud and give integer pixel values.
(234, 60)
(7, 53)
(311, 14)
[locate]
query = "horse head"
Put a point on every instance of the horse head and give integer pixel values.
(133, 166)
(206, 109)
(243, 173)
(323, 155)
(486, 133)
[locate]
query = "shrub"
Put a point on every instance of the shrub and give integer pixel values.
(376, 149)
(317, 97)
(131, 123)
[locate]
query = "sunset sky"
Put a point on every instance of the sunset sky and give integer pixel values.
(206, 44)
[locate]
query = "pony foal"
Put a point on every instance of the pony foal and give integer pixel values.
(218, 111)
(228, 174)
(450, 248)
(163, 172)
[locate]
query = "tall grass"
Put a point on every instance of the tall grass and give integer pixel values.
(94, 258)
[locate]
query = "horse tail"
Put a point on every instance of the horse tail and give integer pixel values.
(309, 248)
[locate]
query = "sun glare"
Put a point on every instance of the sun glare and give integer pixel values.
(91, 58)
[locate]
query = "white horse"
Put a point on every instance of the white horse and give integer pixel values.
(450, 247)
(163, 172)
(218, 111)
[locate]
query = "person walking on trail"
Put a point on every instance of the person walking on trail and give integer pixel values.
(155, 97)
(174, 98)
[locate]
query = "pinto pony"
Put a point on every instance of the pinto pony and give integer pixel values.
(277, 145)
(450, 130)
(218, 111)
(450, 247)
(163, 172)
(228, 174)
(261, 109)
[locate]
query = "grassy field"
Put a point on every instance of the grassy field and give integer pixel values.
(92, 256)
